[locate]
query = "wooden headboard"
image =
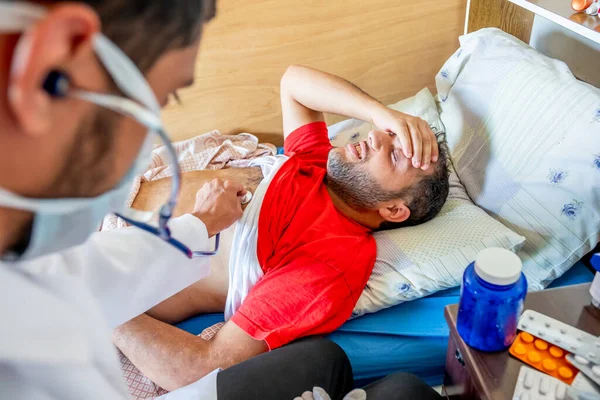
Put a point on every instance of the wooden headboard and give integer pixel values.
(499, 14)
(390, 48)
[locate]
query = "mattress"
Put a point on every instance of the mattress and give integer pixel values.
(410, 337)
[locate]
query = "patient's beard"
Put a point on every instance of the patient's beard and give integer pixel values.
(353, 184)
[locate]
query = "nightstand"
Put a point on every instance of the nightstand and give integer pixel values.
(471, 374)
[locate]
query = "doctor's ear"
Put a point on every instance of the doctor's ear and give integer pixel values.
(395, 212)
(40, 53)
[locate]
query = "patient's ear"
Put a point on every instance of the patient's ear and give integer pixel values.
(395, 211)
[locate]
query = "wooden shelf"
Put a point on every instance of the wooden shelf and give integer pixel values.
(560, 12)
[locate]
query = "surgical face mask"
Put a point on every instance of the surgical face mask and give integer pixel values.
(63, 223)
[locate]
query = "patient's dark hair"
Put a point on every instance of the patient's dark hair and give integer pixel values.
(146, 29)
(426, 198)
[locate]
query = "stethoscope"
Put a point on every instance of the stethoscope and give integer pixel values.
(58, 84)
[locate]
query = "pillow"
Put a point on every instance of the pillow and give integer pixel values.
(416, 261)
(524, 136)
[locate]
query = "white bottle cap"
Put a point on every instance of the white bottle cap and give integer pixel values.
(498, 266)
(595, 290)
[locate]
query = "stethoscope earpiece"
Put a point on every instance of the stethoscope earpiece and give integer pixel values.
(57, 84)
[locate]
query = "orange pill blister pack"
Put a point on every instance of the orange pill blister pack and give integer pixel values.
(543, 356)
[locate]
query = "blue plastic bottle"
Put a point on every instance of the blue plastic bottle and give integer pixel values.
(491, 300)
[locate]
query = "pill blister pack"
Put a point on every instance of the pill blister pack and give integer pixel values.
(591, 370)
(560, 334)
(542, 356)
(535, 385)
(585, 385)
(532, 384)
(590, 350)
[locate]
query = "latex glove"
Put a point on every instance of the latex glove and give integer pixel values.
(320, 394)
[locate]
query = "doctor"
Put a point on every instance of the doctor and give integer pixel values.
(79, 113)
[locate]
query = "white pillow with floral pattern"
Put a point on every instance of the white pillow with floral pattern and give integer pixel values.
(524, 136)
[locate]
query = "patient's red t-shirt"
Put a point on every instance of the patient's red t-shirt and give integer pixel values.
(316, 261)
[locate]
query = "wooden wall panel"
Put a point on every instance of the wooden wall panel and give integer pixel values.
(390, 48)
(500, 14)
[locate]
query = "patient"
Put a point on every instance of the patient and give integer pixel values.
(315, 245)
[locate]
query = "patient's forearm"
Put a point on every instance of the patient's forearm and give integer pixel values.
(324, 92)
(170, 357)
(173, 358)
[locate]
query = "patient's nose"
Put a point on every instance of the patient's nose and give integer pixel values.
(374, 140)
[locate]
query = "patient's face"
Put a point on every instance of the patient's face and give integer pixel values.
(367, 173)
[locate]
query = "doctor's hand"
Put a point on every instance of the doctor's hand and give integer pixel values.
(218, 204)
(416, 137)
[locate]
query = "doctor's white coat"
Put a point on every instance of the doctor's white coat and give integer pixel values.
(57, 312)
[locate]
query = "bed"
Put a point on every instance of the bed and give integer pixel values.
(412, 336)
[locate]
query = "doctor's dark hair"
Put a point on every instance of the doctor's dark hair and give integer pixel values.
(426, 198)
(146, 29)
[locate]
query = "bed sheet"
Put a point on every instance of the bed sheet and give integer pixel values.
(410, 337)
